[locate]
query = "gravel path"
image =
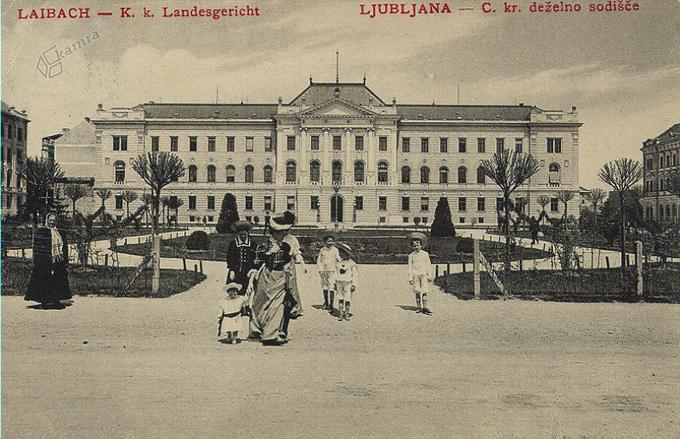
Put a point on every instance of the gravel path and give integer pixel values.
(145, 368)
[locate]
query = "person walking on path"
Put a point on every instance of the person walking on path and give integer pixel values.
(241, 255)
(327, 263)
(346, 279)
(273, 290)
(232, 309)
(49, 279)
(419, 271)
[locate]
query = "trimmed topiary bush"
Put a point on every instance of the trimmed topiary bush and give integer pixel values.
(198, 240)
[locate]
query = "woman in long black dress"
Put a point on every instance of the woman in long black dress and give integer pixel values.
(241, 255)
(49, 280)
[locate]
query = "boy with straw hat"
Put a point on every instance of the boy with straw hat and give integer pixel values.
(326, 264)
(419, 271)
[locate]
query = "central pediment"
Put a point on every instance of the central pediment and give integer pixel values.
(336, 108)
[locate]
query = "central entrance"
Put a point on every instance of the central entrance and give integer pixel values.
(336, 209)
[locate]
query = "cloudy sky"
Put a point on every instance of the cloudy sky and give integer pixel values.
(621, 70)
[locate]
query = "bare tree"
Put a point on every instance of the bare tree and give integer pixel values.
(621, 175)
(157, 169)
(596, 197)
(103, 194)
(129, 197)
(565, 196)
(543, 200)
(175, 203)
(165, 203)
(509, 170)
(40, 175)
(147, 199)
(75, 192)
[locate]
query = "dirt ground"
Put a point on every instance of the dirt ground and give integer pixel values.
(151, 368)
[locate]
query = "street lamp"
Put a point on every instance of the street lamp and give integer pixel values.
(336, 189)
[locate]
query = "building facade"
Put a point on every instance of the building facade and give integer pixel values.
(14, 135)
(338, 154)
(661, 155)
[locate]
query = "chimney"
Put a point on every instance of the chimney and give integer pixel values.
(65, 130)
(100, 107)
(394, 102)
(151, 102)
(521, 104)
(573, 109)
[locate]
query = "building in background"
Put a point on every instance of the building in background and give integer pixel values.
(660, 156)
(14, 135)
(336, 154)
(47, 148)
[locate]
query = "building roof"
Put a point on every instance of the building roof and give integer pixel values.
(356, 92)
(81, 134)
(209, 111)
(9, 110)
(465, 112)
(671, 134)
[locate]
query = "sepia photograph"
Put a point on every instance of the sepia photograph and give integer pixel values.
(340, 219)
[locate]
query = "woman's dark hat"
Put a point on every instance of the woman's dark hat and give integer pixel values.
(342, 247)
(282, 221)
(418, 236)
(241, 226)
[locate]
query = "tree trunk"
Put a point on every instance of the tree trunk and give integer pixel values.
(506, 225)
(127, 209)
(156, 247)
(623, 232)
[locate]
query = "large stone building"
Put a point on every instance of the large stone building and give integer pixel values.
(14, 135)
(337, 153)
(661, 155)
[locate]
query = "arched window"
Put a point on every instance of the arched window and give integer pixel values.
(668, 211)
(405, 174)
(267, 174)
(481, 176)
(462, 175)
(119, 169)
(231, 174)
(193, 173)
(211, 174)
(250, 174)
(382, 172)
(337, 171)
(444, 175)
(314, 171)
(291, 172)
(554, 174)
(359, 171)
(424, 174)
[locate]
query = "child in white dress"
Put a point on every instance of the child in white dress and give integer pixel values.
(231, 314)
(346, 279)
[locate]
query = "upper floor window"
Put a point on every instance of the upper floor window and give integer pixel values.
(192, 202)
(119, 171)
(249, 144)
(20, 133)
(424, 174)
(193, 143)
(554, 205)
(406, 144)
(231, 144)
(211, 202)
(120, 143)
(554, 174)
(268, 144)
(444, 145)
(382, 143)
(211, 173)
(336, 169)
(155, 145)
(462, 175)
(519, 144)
(231, 174)
(405, 203)
(554, 145)
(382, 203)
(481, 176)
(211, 144)
(291, 172)
(119, 202)
(424, 144)
(314, 172)
(500, 145)
(462, 144)
(444, 175)
(267, 174)
(405, 174)
(337, 143)
(382, 172)
(359, 172)
(314, 146)
(462, 204)
(193, 173)
(174, 144)
(359, 143)
(481, 145)
(250, 174)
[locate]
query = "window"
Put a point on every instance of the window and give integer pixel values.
(315, 143)
(336, 171)
(250, 174)
(211, 202)
(174, 144)
(267, 203)
(359, 143)
(382, 203)
(192, 202)
(382, 172)
(231, 144)
(461, 220)
(649, 162)
(290, 202)
(290, 143)
(424, 144)
(359, 172)
(554, 174)
(462, 144)
(444, 145)
(359, 203)
(291, 172)
(462, 204)
(119, 171)
(462, 175)
(405, 220)
(211, 144)
(481, 144)
(193, 173)
(192, 218)
(554, 205)
(154, 144)
(120, 143)
(424, 174)
(554, 145)
(382, 220)
(231, 174)
(500, 204)
(405, 203)
(481, 176)
(480, 220)
(119, 202)
(249, 202)
(444, 175)
(500, 145)
(406, 144)
(314, 202)
(405, 174)
(519, 143)
(337, 143)
(193, 143)
(481, 204)
(382, 143)
(20, 134)
(314, 172)
(212, 218)
(249, 144)
(211, 174)
(268, 144)
(424, 204)
(267, 174)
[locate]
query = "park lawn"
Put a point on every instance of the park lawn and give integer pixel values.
(661, 284)
(93, 280)
(368, 249)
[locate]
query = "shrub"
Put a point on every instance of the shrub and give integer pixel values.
(198, 240)
(442, 224)
(228, 214)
